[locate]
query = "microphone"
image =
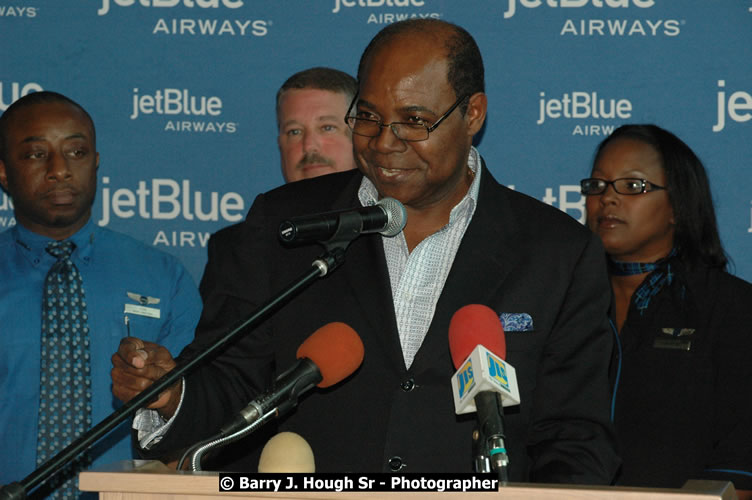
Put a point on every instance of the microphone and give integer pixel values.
(484, 382)
(287, 452)
(331, 354)
(387, 217)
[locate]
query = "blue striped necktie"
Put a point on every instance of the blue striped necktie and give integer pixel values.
(65, 382)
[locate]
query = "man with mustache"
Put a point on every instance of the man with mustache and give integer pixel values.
(313, 140)
(54, 343)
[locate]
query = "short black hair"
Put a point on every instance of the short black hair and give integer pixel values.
(320, 78)
(696, 237)
(465, 64)
(32, 99)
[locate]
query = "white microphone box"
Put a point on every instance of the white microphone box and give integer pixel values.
(483, 371)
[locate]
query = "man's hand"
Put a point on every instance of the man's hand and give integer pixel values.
(136, 365)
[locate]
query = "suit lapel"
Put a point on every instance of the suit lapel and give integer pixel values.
(368, 278)
(480, 267)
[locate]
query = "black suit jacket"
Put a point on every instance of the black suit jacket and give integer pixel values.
(683, 408)
(517, 256)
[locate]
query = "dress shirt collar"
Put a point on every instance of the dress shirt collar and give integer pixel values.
(34, 246)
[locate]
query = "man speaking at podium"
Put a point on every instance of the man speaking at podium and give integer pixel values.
(467, 240)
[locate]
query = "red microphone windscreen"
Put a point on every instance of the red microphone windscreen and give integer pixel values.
(336, 349)
(474, 325)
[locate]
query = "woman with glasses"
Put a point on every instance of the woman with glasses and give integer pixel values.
(683, 379)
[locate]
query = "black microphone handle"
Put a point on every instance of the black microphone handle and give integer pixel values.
(318, 228)
(387, 217)
(322, 227)
(288, 387)
(491, 427)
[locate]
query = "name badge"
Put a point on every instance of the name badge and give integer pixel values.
(676, 344)
(679, 339)
(149, 312)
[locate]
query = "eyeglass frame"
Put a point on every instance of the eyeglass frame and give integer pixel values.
(645, 185)
(382, 125)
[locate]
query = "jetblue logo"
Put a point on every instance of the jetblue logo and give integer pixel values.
(497, 371)
(189, 110)
(202, 4)
(169, 199)
(173, 102)
(465, 380)
(738, 106)
(582, 105)
(614, 4)
(338, 4)
(10, 92)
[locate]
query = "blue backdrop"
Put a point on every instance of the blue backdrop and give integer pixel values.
(182, 93)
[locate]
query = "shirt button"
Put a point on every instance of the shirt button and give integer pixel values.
(396, 464)
(408, 385)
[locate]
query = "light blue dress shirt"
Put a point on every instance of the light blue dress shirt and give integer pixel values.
(117, 271)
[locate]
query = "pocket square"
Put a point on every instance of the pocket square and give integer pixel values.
(516, 322)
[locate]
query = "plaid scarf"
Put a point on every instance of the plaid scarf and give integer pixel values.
(660, 275)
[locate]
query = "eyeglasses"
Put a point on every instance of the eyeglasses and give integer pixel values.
(627, 185)
(406, 131)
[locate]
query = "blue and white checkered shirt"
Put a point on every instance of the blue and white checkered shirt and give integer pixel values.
(418, 278)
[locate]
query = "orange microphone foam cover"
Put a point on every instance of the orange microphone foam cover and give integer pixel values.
(337, 351)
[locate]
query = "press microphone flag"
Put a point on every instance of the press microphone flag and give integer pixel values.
(482, 371)
(477, 329)
(387, 216)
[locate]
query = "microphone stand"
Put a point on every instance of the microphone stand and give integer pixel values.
(326, 263)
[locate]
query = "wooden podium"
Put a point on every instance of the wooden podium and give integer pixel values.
(146, 480)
